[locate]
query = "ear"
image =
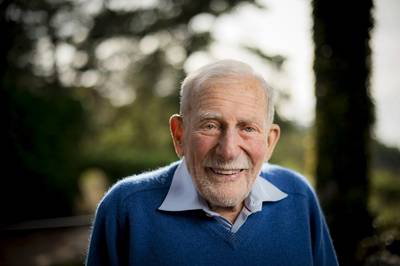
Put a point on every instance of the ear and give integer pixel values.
(177, 132)
(272, 139)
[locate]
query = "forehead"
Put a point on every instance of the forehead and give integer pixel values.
(242, 95)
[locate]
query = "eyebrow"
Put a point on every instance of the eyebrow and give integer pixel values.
(217, 116)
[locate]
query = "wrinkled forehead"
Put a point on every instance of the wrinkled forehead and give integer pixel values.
(244, 91)
(245, 81)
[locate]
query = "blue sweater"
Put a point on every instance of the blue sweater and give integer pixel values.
(130, 230)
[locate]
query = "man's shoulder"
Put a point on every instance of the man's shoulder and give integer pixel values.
(286, 179)
(159, 179)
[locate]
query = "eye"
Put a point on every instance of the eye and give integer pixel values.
(210, 126)
(249, 129)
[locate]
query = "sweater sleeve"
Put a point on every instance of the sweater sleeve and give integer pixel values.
(324, 252)
(107, 243)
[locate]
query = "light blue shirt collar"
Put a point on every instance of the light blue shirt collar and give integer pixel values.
(183, 196)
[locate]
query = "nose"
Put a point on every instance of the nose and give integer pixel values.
(228, 145)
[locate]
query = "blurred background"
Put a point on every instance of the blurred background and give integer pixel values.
(87, 87)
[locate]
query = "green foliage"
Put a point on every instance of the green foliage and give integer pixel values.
(292, 148)
(63, 69)
(385, 157)
(123, 162)
(40, 136)
(385, 198)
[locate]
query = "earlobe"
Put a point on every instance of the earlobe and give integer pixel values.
(272, 139)
(176, 128)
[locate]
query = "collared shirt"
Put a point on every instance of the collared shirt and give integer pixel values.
(183, 196)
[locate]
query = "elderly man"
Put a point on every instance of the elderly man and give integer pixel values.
(222, 204)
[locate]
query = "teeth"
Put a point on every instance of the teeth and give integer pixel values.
(225, 172)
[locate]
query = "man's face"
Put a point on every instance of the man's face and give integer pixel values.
(226, 139)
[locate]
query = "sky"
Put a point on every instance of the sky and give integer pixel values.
(386, 71)
(285, 28)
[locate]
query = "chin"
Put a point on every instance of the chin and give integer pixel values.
(224, 199)
(225, 203)
(222, 193)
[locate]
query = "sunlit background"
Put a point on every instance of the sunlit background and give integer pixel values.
(89, 87)
(286, 30)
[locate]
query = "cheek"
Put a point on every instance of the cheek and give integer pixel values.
(200, 145)
(257, 149)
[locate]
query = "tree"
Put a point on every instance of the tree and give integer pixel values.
(62, 64)
(344, 115)
(42, 125)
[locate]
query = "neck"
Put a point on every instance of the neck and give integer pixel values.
(229, 213)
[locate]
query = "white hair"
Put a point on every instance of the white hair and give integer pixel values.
(220, 70)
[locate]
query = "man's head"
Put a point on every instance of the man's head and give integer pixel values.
(225, 130)
(223, 70)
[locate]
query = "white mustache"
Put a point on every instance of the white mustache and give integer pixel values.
(241, 162)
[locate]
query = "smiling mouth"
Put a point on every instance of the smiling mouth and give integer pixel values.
(225, 172)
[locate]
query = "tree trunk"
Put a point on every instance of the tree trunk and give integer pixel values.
(344, 115)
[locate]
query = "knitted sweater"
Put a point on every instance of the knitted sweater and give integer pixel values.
(130, 230)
